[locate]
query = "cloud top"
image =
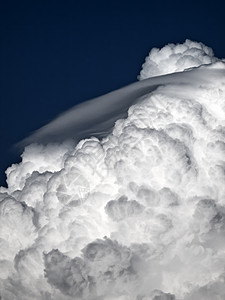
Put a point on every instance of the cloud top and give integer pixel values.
(176, 58)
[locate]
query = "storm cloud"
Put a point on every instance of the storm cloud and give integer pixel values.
(136, 209)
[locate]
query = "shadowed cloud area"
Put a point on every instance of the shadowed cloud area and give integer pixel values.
(122, 197)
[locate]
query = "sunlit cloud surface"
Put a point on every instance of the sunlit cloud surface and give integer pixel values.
(129, 204)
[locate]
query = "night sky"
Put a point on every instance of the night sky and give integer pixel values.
(55, 54)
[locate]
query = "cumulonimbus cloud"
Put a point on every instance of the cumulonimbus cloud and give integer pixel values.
(136, 212)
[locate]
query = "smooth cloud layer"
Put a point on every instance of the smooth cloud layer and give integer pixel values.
(138, 215)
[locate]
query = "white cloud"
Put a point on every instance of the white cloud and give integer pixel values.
(176, 58)
(137, 215)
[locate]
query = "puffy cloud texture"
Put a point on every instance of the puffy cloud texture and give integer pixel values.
(176, 58)
(136, 215)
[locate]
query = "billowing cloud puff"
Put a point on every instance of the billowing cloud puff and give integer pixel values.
(136, 215)
(176, 58)
(121, 208)
(105, 265)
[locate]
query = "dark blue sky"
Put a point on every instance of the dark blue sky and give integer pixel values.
(55, 54)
